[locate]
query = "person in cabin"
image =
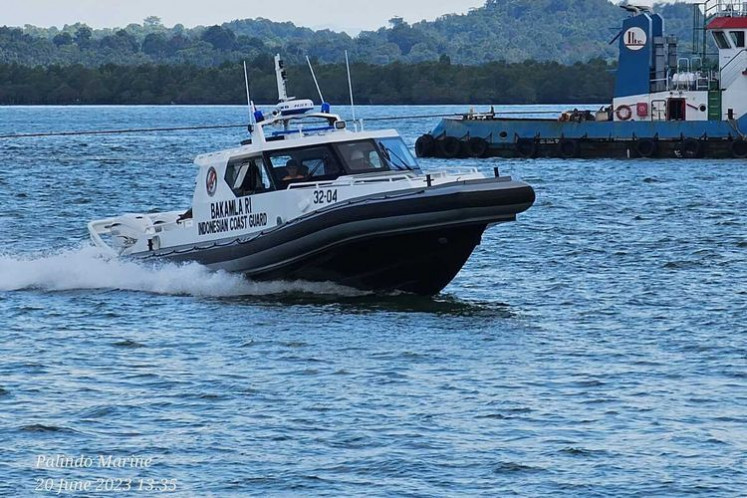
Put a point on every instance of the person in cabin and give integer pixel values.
(293, 171)
(358, 161)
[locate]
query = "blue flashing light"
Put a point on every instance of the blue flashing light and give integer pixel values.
(326, 107)
(258, 116)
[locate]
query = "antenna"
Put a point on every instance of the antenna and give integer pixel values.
(249, 102)
(255, 117)
(281, 77)
(321, 97)
(350, 87)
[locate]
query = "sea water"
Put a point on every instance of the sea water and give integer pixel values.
(595, 347)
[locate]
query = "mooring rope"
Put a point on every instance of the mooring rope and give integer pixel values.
(117, 132)
(218, 127)
(461, 114)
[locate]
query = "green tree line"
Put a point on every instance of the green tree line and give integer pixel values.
(440, 82)
(565, 31)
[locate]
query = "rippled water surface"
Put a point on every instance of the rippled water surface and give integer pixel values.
(596, 347)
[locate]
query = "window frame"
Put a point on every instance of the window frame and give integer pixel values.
(240, 161)
(292, 152)
(375, 148)
(722, 41)
(737, 37)
(385, 152)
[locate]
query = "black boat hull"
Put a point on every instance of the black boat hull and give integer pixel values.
(414, 241)
(421, 262)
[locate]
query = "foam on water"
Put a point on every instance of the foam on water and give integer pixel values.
(87, 267)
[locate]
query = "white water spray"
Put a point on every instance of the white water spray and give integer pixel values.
(86, 268)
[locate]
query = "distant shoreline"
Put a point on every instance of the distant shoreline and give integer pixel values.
(427, 83)
(478, 107)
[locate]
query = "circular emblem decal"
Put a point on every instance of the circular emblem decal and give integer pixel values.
(635, 39)
(211, 182)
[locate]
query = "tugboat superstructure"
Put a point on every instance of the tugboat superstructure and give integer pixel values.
(664, 105)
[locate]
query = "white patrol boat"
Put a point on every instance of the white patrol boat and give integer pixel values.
(314, 200)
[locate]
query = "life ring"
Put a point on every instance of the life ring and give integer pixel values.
(624, 112)
(477, 147)
(647, 147)
(690, 148)
(739, 149)
(425, 146)
(526, 147)
(448, 147)
(568, 148)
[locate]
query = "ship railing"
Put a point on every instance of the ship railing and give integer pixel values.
(722, 8)
(729, 8)
(690, 75)
(659, 110)
(661, 84)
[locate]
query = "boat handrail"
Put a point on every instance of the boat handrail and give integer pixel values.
(154, 224)
(312, 184)
(456, 171)
(303, 131)
(375, 179)
(96, 228)
(349, 181)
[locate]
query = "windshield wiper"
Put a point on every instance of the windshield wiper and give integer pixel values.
(390, 152)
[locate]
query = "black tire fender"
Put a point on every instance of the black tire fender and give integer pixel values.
(526, 147)
(647, 147)
(690, 148)
(477, 147)
(425, 146)
(449, 147)
(739, 149)
(568, 148)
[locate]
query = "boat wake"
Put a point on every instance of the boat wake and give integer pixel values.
(87, 268)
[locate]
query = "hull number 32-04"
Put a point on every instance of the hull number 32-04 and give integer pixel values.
(325, 196)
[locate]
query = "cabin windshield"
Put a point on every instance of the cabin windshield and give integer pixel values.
(721, 41)
(306, 164)
(361, 157)
(328, 162)
(738, 38)
(397, 155)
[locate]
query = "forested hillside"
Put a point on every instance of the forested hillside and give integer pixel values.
(564, 31)
(423, 83)
(508, 51)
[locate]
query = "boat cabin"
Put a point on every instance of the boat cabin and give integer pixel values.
(297, 147)
(317, 162)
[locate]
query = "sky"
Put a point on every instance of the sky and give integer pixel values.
(351, 16)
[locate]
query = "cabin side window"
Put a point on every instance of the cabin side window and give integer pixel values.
(397, 155)
(361, 157)
(721, 41)
(247, 176)
(304, 164)
(737, 37)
